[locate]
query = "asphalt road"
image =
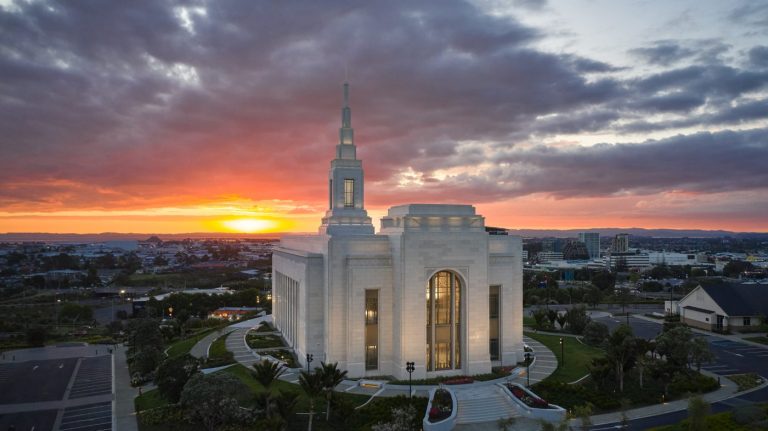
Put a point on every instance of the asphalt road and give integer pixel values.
(35, 381)
(731, 358)
(38, 421)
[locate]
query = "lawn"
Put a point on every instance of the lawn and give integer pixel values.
(149, 400)
(529, 321)
(181, 347)
(578, 357)
(746, 381)
(218, 354)
(761, 340)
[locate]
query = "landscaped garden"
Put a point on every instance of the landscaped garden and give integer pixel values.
(626, 369)
(218, 355)
(239, 398)
(578, 356)
(257, 340)
(284, 355)
(441, 407)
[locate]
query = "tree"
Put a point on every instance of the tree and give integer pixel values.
(312, 384)
(583, 412)
(562, 319)
(595, 333)
(593, 296)
(577, 319)
(675, 346)
(92, 279)
(540, 316)
(619, 349)
(624, 298)
(643, 346)
(213, 399)
(331, 376)
(173, 374)
(735, 268)
(36, 336)
(651, 286)
(267, 372)
(698, 410)
(552, 317)
(604, 280)
(73, 312)
(700, 353)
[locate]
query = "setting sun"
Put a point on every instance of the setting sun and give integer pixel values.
(249, 225)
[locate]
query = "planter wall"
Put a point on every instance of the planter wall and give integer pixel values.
(446, 424)
(554, 413)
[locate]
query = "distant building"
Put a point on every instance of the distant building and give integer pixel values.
(591, 240)
(620, 243)
(673, 259)
(575, 250)
(628, 261)
(724, 306)
(548, 256)
(232, 313)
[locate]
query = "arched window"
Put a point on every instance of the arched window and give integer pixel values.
(444, 322)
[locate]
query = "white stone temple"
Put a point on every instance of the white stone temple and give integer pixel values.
(431, 287)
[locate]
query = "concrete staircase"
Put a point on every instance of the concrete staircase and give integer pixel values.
(483, 404)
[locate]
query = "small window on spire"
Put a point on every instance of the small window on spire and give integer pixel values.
(349, 192)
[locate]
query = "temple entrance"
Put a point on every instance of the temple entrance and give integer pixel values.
(444, 322)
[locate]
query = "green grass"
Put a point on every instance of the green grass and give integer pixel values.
(529, 321)
(184, 346)
(149, 400)
(578, 357)
(746, 381)
(761, 340)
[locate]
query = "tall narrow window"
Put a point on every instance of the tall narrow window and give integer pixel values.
(371, 329)
(330, 194)
(349, 192)
(493, 329)
(443, 322)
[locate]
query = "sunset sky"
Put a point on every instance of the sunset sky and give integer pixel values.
(213, 116)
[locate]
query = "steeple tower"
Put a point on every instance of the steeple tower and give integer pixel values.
(346, 213)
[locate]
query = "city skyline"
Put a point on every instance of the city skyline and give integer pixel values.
(220, 117)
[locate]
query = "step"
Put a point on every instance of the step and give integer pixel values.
(488, 407)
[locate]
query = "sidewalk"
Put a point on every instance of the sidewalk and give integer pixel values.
(124, 416)
(200, 349)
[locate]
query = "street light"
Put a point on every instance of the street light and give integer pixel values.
(528, 368)
(562, 350)
(309, 359)
(410, 367)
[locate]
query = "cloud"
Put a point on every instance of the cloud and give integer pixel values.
(663, 52)
(113, 106)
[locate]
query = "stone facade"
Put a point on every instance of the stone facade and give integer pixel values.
(372, 301)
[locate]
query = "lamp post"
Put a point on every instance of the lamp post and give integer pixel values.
(562, 350)
(309, 359)
(528, 368)
(410, 367)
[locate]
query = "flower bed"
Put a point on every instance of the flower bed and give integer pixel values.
(459, 380)
(532, 405)
(527, 398)
(441, 411)
(442, 406)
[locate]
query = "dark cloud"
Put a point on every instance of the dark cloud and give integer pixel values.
(121, 105)
(758, 56)
(663, 52)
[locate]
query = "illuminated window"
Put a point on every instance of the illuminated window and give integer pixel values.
(349, 192)
(371, 329)
(443, 322)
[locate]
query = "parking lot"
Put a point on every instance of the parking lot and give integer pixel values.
(90, 417)
(72, 383)
(94, 377)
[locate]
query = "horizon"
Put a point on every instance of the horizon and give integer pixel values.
(544, 115)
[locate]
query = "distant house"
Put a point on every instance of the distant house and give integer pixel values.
(232, 313)
(724, 306)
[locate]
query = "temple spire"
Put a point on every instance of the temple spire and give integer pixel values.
(346, 134)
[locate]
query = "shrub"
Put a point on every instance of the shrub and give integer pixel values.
(442, 405)
(595, 333)
(746, 415)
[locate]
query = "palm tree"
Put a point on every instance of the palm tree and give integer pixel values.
(312, 384)
(267, 372)
(331, 376)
